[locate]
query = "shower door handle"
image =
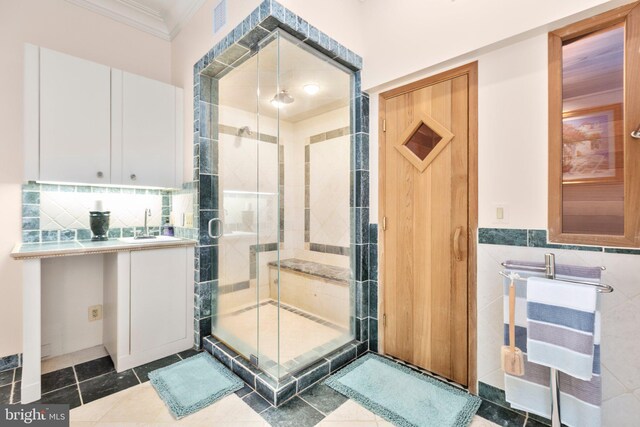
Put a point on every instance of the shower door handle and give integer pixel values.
(220, 229)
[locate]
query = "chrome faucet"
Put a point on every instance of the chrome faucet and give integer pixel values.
(147, 214)
(145, 234)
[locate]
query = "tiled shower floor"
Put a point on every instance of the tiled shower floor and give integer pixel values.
(303, 337)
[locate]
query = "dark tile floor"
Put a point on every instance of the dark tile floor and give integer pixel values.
(89, 381)
(496, 408)
(85, 382)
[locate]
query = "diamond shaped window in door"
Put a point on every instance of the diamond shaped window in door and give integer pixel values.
(423, 140)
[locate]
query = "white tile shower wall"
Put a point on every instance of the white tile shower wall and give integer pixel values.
(67, 210)
(294, 191)
(323, 298)
(234, 254)
(181, 204)
(323, 258)
(329, 192)
(620, 320)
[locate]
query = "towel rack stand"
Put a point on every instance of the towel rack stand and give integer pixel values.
(550, 273)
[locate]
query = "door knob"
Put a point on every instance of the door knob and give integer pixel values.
(133, 177)
(99, 174)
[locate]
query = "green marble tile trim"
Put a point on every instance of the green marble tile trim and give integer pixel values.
(538, 239)
(622, 251)
(503, 236)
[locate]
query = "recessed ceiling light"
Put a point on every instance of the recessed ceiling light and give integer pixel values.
(311, 88)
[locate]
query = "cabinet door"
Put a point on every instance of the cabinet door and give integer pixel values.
(75, 101)
(148, 132)
(158, 298)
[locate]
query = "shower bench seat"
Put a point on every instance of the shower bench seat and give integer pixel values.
(316, 269)
(319, 289)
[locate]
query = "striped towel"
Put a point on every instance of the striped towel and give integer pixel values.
(580, 400)
(561, 319)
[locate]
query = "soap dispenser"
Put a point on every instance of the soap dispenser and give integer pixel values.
(167, 229)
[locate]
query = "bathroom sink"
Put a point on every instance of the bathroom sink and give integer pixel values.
(155, 239)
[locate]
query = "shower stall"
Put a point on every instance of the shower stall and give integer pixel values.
(280, 228)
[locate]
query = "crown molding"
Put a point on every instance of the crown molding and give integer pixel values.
(180, 14)
(162, 24)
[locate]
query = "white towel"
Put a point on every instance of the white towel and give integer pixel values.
(561, 325)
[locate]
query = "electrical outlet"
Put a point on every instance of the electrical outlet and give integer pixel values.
(188, 220)
(95, 313)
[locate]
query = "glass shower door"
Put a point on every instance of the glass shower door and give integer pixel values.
(235, 322)
(249, 207)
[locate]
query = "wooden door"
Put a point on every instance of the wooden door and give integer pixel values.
(425, 212)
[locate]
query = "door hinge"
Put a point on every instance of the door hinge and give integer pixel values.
(384, 125)
(384, 223)
(384, 320)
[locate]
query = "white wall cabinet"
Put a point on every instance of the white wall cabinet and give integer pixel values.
(89, 123)
(148, 305)
(75, 102)
(145, 130)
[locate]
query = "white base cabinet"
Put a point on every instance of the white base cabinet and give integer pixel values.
(148, 305)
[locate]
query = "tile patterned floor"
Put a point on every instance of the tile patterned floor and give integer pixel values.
(101, 397)
(83, 381)
(140, 406)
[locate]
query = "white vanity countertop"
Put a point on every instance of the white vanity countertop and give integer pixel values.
(56, 249)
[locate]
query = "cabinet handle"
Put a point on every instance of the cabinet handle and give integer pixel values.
(133, 177)
(456, 244)
(210, 227)
(99, 174)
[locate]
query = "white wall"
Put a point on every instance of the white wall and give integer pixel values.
(512, 134)
(405, 36)
(69, 288)
(58, 25)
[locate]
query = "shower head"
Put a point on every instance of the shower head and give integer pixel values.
(244, 131)
(281, 98)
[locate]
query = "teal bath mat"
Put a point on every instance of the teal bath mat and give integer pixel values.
(402, 396)
(193, 384)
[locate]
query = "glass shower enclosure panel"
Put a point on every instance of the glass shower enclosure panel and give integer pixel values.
(235, 322)
(286, 285)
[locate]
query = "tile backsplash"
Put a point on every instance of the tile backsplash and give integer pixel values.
(66, 210)
(53, 213)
